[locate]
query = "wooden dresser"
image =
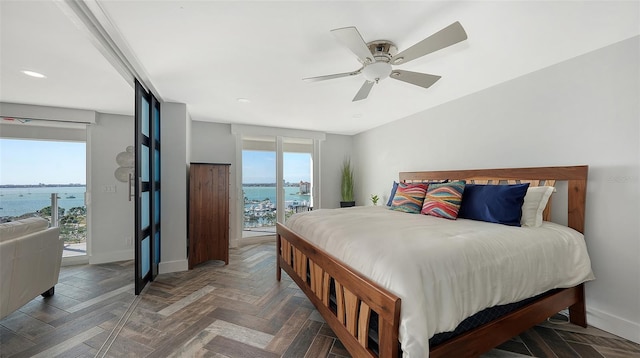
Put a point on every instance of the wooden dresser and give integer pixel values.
(208, 235)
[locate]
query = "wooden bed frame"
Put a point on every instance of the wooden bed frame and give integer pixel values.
(356, 295)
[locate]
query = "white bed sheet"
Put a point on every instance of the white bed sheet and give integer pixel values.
(446, 270)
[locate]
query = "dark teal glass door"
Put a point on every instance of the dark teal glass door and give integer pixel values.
(147, 187)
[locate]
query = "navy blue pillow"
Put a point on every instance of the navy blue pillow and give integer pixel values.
(393, 193)
(500, 204)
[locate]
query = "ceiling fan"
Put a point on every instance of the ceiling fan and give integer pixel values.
(378, 56)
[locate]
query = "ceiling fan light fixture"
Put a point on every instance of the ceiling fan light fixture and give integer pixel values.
(376, 71)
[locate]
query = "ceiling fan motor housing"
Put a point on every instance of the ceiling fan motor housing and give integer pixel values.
(382, 50)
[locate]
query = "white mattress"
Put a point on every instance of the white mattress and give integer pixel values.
(446, 270)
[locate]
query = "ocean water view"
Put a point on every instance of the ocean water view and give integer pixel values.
(260, 193)
(19, 201)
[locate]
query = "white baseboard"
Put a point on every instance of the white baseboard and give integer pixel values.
(253, 240)
(113, 256)
(75, 260)
(173, 266)
(614, 324)
(163, 267)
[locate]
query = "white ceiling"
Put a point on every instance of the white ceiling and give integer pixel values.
(208, 54)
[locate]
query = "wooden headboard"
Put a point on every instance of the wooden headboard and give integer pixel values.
(576, 176)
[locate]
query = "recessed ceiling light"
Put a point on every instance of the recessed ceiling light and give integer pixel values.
(33, 74)
(243, 100)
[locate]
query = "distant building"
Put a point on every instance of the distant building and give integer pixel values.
(305, 187)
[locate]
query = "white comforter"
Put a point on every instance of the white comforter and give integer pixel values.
(446, 270)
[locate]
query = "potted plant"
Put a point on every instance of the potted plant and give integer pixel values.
(346, 185)
(374, 199)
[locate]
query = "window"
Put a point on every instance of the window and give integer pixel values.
(33, 170)
(278, 176)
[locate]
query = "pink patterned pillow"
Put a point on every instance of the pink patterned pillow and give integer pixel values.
(409, 197)
(443, 200)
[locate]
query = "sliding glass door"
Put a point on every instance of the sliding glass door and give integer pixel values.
(258, 186)
(35, 169)
(277, 181)
(147, 187)
(297, 172)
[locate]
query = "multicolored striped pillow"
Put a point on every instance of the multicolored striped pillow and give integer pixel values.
(443, 200)
(395, 187)
(409, 198)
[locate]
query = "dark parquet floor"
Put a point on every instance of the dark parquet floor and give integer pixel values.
(239, 310)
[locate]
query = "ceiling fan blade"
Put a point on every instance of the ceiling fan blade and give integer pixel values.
(415, 78)
(364, 91)
(446, 37)
(329, 77)
(350, 37)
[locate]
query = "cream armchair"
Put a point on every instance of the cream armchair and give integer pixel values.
(30, 257)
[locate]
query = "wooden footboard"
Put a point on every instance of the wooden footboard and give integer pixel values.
(356, 296)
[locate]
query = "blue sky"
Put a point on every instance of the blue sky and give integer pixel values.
(33, 162)
(260, 167)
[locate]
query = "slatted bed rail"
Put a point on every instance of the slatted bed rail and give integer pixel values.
(315, 272)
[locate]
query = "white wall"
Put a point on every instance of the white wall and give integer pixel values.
(174, 138)
(332, 153)
(582, 111)
(111, 215)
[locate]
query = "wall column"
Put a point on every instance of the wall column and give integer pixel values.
(175, 126)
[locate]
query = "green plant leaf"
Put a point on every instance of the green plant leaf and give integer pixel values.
(347, 181)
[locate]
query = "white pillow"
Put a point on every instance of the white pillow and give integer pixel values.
(534, 203)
